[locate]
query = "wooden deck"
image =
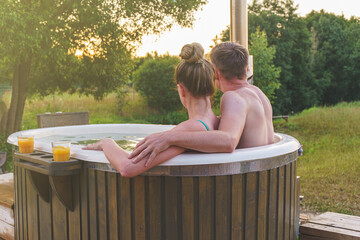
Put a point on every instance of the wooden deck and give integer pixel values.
(331, 226)
(6, 206)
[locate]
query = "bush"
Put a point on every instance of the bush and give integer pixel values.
(155, 81)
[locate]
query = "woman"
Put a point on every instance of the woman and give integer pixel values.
(195, 77)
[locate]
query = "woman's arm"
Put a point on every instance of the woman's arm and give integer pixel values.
(118, 157)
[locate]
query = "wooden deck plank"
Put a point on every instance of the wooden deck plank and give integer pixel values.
(338, 220)
(328, 232)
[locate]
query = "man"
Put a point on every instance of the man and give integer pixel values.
(246, 113)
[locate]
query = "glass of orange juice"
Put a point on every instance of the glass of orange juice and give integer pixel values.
(61, 150)
(26, 143)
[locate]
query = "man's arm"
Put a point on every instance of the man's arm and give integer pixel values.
(225, 139)
(118, 157)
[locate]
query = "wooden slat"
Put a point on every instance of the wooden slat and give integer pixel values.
(206, 209)
(273, 200)
(287, 202)
(250, 206)
(16, 203)
(74, 216)
(139, 208)
(6, 231)
(24, 206)
(59, 218)
(84, 205)
(187, 186)
(262, 205)
(328, 232)
(237, 209)
(222, 208)
(293, 196)
(171, 215)
(112, 205)
(154, 205)
(101, 203)
(124, 208)
(280, 215)
(45, 219)
(93, 212)
(338, 220)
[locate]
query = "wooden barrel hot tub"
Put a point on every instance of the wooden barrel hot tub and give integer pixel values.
(237, 196)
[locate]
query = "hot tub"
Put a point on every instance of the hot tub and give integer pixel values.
(249, 194)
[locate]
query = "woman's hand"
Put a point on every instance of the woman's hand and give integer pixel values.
(98, 145)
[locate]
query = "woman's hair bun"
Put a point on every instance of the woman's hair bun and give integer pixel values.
(192, 53)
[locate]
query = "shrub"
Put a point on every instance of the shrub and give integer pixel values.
(155, 81)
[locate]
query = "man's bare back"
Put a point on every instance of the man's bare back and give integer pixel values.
(258, 129)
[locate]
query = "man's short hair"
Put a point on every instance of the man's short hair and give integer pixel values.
(231, 59)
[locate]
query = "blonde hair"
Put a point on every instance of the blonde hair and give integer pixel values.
(195, 72)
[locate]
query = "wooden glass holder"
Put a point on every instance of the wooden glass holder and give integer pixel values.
(46, 174)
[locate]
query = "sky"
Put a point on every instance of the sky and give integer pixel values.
(215, 16)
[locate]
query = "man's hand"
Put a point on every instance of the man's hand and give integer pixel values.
(151, 145)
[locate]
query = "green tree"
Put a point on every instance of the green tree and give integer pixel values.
(38, 39)
(266, 75)
(336, 56)
(154, 80)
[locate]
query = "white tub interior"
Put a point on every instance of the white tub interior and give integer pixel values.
(284, 144)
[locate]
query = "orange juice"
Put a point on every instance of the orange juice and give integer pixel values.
(61, 153)
(26, 144)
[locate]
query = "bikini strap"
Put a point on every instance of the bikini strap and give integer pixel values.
(204, 125)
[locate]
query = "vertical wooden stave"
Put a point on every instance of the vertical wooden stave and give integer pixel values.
(222, 207)
(124, 208)
(187, 186)
(24, 205)
(292, 202)
(281, 210)
(155, 208)
(251, 205)
(74, 216)
(112, 206)
(170, 221)
(237, 208)
(102, 205)
(16, 203)
(138, 208)
(273, 200)
(206, 208)
(262, 205)
(84, 204)
(287, 203)
(45, 219)
(59, 218)
(93, 211)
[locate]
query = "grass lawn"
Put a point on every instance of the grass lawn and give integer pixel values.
(329, 168)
